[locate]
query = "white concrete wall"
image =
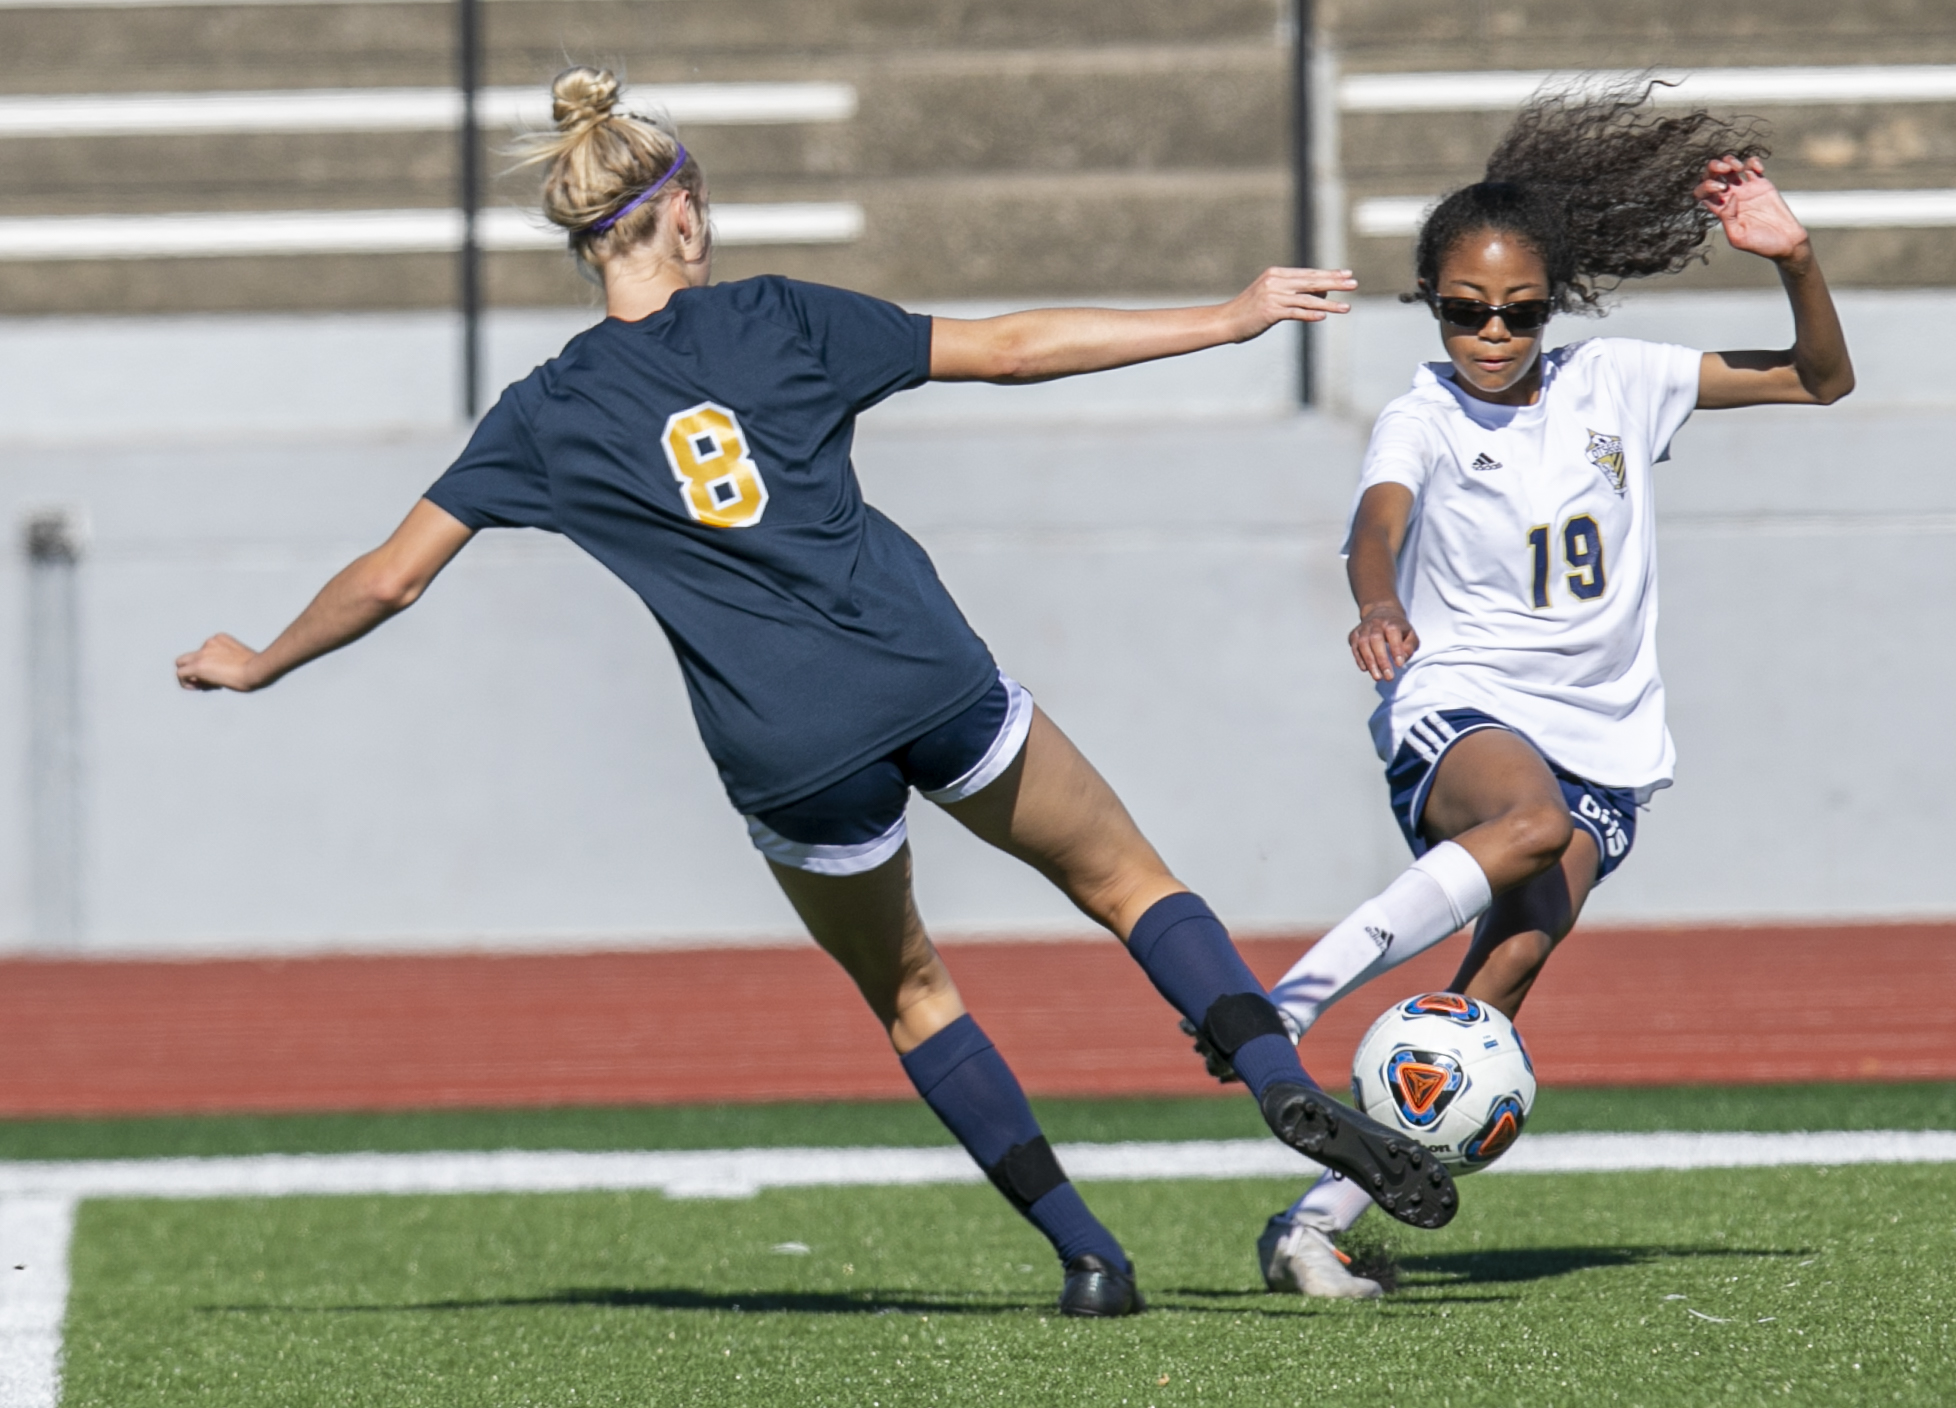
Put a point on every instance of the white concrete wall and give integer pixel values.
(512, 763)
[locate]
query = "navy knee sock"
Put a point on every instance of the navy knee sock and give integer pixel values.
(963, 1078)
(1188, 956)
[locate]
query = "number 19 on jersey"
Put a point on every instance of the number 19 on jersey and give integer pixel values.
(1582, 550)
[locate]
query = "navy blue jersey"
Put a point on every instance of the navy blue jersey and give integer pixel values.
(702, 454)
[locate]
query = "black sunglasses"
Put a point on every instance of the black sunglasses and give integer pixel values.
(1472, 314)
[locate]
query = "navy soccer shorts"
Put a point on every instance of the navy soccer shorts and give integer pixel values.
(1607, 813)
(857, 824)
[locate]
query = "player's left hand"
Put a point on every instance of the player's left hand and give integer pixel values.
(1750, 207)
(1287, 295)
(222, 662)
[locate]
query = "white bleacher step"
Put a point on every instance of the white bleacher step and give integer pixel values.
(248, 233)
(397, 109)
(1500, 90)
(1388, 217)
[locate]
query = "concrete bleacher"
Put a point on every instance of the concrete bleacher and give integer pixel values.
(1880, 144)
(1052, 149)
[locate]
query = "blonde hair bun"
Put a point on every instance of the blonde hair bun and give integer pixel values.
(582, 97)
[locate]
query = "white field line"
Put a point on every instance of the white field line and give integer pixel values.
(34, 1236)
(208, 235)
(37, 1200)
(397, 109)
(740, 1173)
(1386, 216)
(1500, 90)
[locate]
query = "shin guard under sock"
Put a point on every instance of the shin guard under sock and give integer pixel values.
(1187, 955)
(967, 1083)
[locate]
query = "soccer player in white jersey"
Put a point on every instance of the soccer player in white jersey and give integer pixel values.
(1502, 554)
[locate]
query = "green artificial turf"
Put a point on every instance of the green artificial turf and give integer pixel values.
(1753, 1107)
(1732, 1287)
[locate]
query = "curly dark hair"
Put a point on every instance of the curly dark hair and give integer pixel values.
(1599, 185)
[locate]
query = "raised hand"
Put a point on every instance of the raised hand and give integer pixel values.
(1288, 295)
(1750, 207)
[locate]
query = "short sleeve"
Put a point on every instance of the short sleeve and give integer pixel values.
(871, 349)
(499, 480)
(1659, 387)
(1400, 452)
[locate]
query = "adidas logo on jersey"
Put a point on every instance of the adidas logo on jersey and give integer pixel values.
(1381, 937)
(1484, 462)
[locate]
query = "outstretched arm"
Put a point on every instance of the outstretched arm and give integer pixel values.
(366, 592)
(1383, 640)
(1815, 370)
(1053, 342)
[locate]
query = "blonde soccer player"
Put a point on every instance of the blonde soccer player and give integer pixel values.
(697, 443)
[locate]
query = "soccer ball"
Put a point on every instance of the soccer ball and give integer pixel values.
(1449, 1071)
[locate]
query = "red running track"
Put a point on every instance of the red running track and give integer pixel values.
(1614, 1008)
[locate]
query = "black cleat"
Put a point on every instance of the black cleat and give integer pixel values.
(1095, 1290)
(1403, 1178)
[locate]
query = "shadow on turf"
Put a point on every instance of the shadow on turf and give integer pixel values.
(1542, 1263)
(679, 1298)
(797, 1302)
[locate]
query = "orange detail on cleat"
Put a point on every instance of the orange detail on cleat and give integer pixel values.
(1341, 1256)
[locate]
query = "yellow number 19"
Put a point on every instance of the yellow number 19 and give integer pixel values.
(720, 483)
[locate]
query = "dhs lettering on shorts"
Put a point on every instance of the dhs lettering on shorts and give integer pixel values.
(1615, 843)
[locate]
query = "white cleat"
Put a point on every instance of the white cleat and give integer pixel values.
(1302, 1259)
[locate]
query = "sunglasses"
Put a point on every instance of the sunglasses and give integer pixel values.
(1472, 314)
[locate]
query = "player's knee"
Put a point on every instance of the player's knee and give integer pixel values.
(1540, 833)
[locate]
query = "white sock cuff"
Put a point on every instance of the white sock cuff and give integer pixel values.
(1460, 878)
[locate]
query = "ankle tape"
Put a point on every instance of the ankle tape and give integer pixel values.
(1238, 1018)
(1027, 1173)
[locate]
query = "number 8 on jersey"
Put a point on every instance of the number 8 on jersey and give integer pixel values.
(720, 483)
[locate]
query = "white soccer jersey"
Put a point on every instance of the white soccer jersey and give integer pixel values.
(1530, 565)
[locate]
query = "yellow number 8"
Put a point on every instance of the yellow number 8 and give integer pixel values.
(707, 450)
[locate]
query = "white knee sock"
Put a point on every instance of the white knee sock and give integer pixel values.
(1443, 891)
(1331, 1206)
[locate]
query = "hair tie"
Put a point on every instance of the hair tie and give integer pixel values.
(642, 197)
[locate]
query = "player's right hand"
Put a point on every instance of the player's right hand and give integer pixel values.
(222, 662)
(1383, 641)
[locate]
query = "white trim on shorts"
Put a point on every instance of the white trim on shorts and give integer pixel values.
(855, 859)
(1005, 747)
(862, 856)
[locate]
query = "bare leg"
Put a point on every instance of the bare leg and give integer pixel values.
(1054, 812)
(1496, 797)
(869, 924)
(1516, 936)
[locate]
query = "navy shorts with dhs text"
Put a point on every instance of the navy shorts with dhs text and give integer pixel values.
(1609, 814)
(857, 824)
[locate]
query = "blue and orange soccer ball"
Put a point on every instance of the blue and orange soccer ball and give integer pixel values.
(1449, 1071)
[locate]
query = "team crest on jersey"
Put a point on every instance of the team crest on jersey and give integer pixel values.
(1606, 453)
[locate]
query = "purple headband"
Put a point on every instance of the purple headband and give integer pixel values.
(642, 197)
